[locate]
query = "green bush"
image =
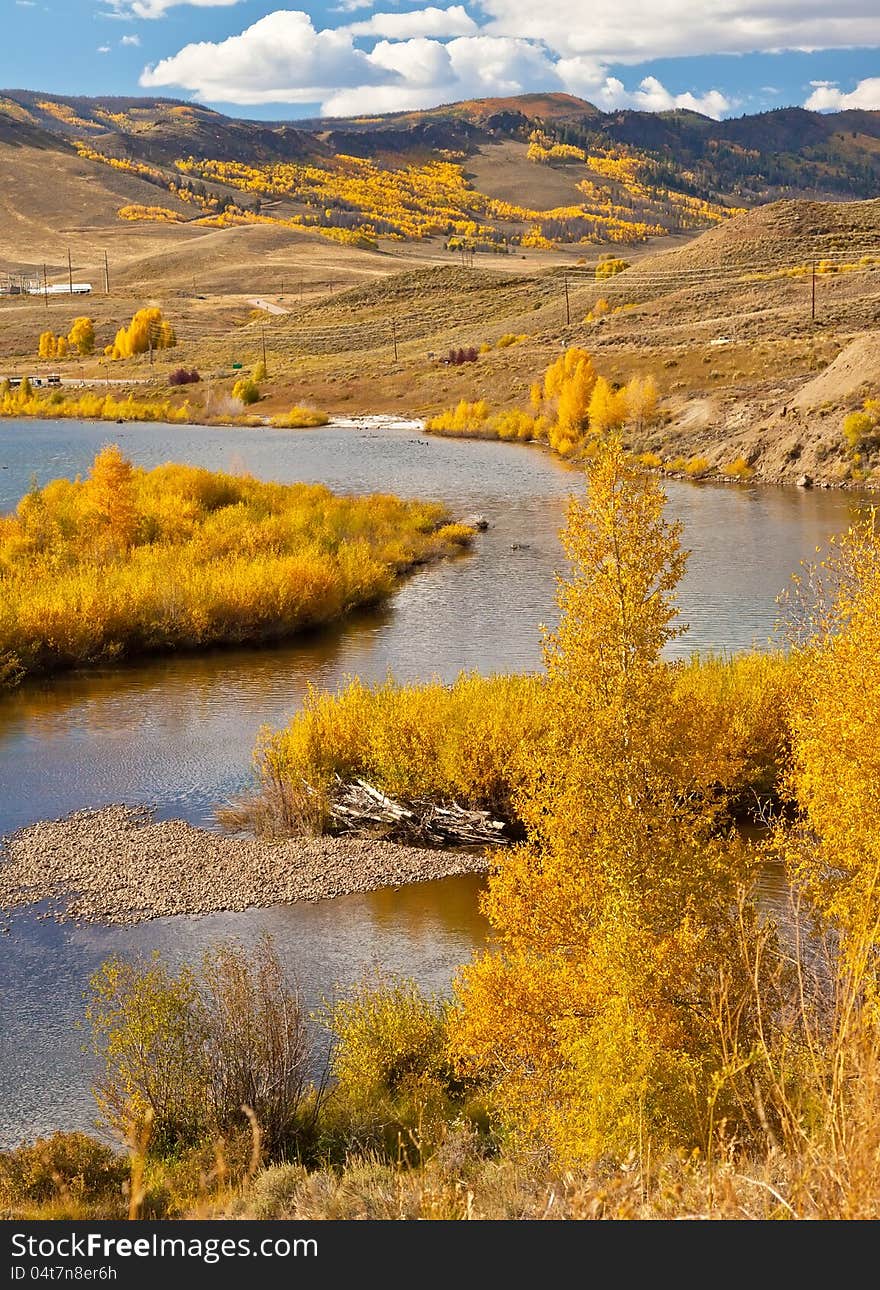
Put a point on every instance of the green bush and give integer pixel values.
(395, 1089)
(183, 1054)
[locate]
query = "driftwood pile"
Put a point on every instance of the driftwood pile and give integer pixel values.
(359, 808)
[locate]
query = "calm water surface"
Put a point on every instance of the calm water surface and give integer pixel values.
(178, 732)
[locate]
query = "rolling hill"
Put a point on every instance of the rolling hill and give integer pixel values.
(736, 162)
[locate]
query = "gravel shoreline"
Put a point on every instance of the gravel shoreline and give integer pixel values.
(120, 865)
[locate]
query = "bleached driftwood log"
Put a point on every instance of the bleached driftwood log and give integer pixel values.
(358, 807)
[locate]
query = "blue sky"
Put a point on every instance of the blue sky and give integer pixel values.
(256, 58)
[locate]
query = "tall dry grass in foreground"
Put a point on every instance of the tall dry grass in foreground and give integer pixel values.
(130, 561)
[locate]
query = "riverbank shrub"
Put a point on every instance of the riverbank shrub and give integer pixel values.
(300, 419)
(457, 742)
(188, 1056)
(26, 402)
(130, 561)
(247, 391)
(66, 1175)
(861, 429)
(393, 1087)
(464, 741)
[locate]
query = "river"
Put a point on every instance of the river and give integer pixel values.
(178, 732)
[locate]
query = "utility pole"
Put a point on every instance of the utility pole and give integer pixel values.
(263, 336)
(106, 274)
(45, 286)
(394, 336)
(69, 271)
(813, 306)
(567, 304)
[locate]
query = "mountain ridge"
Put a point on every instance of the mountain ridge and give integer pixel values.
(744, 160)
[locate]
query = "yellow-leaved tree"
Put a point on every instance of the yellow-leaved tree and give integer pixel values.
(563, 400)
(111, 497)
(608, 407)
(147, 330)
(82, 335)
(616, 926)
(833, 854)
(641, 402)
(835, 774)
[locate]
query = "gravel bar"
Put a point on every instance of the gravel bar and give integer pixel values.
(121, 865)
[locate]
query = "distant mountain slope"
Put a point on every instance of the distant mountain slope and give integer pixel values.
(749, 159)
(157, 130)
(495, 175)
(786, 152)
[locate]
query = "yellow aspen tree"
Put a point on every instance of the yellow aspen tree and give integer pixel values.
(82, 335)
(559, 371)
(147, 328)
(573, 407)
(121, 347)
(592, 1016)
(836, 760)
(48, 344)
(111, 496)
(607, 409)
(641, 402)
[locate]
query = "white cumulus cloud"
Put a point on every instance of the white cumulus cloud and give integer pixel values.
(429, 72)
(158, 8)
(653, 96)
(280, 58)
(431, 21)
(827, 96)
(397, 61)
(130, 40)
(633, 31)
